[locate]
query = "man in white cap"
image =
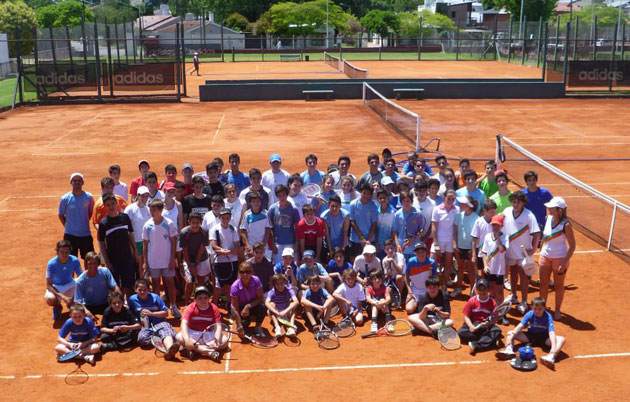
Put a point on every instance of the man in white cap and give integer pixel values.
(75, 211)
(365, 263)
(143, 167)
(274, 176)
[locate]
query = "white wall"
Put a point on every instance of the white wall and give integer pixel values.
(4, 48)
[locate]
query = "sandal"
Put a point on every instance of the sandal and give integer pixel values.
(215, 356)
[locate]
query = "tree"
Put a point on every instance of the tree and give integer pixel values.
(237, 22)
(397, 6)
(67, 13)
(410, 23)
(35, 4)
(18, 14)
(113, 10)
(606, 16)
(301, 19)
(381, 22)
(532, 9)
(264, 25)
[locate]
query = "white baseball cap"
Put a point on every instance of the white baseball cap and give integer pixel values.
(75, 174)
(369, 249)
(556, 202)
(287, 252)
(143, 190)
(464, 201)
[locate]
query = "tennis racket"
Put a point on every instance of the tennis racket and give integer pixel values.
(70, 355)
(394, 294)
(261, 341)
(391, 328)
(311, 191)
(499, 311)
(345, 328)
(156, 341)
(286, 323)
(414, 227)
(529, 265)
(334, 311)
(500, 154)
(215, 336)
(78, 376)
(326, 339)
(447, 336)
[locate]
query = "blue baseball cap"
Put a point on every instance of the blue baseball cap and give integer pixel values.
(275, 158)
(309, 254)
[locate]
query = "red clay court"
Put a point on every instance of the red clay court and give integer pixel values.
(43, 145)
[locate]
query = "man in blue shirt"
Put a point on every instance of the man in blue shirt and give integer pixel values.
(60, 282)
(234, 175)
(75, 212)
(283, 217)
(312, 175)
(363, 219)
(337, 222)
(93, 286)
(537, 197)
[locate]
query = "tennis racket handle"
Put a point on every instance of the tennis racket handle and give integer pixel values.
(370, 335)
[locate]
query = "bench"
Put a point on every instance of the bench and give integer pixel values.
(309, 92)
(290, 57)
(400, 91)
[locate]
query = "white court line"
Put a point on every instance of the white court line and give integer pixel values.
(216, 133)
(590, 196)
(564, 128)
(227, 355)
(602, 355)
(590, 184)
(6, 199)
(72, 131)
(537, 137)
(27, 210)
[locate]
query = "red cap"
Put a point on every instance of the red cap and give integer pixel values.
(168, 186)
(497, 220)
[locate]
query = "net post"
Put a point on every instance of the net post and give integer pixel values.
(18, 48)
(457, 41)
(183, 56)
(612, 226)
(364, 92)
(178, 67)
(546, 43)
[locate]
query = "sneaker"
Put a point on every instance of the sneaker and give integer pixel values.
(504, 321)
(89, 359)
(473, 348)
(506, 284)
(291, 332)
(534, 282)
(549, 361)
(57, 311)
(551, 284)
(175, 312)
(522, 308)
(316, 333)
(508, 352)
(278, 332)
(108, 347)
(374, 327)
(455, 293)
(512, 298)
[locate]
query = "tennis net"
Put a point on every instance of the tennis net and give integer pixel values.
(405, 122)
(597, 215)
(354, 71)
(333, 61)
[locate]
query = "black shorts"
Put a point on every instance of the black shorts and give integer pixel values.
(498, 279)
(464, 253)
(538, 339)
(479, 260)
(124, 273)
(80, 244)
(226, 272)
(355, 250)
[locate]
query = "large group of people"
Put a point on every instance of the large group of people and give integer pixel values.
(255, 245)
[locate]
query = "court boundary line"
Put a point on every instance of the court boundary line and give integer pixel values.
(301, 369)
(85, 123)
(216, 133)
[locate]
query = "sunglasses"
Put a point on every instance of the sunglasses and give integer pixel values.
(245, 272)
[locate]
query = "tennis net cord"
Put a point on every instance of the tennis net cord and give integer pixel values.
(403, 121)
(598, 215)
(333, 61)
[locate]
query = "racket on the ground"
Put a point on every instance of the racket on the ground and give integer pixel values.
(286, 323)
(414, 227)
(499, 311)
(326, 339)
(209, 335)
(345, 328)
(262, 341)
(394, 294)
(74, 353)
(156, 341)
(78, 376)
(391, 328)
(311, 191)
(447, 336)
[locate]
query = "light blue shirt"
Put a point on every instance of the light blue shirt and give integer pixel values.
(464, 229)
(303, 272)
(93, 291)
(62, 274)
(477, 195)
(315, 178)
(77, 209)
(335, 227)
(384, 225)
(364, 215)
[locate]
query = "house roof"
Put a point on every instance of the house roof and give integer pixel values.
(155, 22)
(193, 25)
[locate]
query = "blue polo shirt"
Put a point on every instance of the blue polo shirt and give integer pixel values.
(363, 215)
(62, 274)
(153, 303)
(93, 291)
(76, 210)
(536, 203)
(79, 333)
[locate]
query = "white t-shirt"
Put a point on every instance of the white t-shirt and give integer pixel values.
(479, 231)
(554, 239)
(347, 198)
(400, 261)
(298, 202)
(121, 190)
(519, 231)
(139, 216)
(172, 214)
(271, 180)
(227, 237)
(445, 222)
(355, 294)
(426, 209)
(209, 220)
(256, 226)
(360, 265)
(237, 210)
(494, 257)
(159, 237)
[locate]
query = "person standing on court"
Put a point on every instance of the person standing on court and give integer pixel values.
(274, 177)
(195, 64)
(75, 211)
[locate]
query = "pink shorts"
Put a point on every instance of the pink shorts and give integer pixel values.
(554, 263)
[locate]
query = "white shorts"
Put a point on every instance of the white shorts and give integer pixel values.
(196, 335)
(203, 269)
(66, 290)
(445, 247)
(513, 261)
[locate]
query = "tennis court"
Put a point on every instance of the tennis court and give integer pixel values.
(43, 145)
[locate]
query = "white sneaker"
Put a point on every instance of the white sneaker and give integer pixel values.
(548, 361)
(506, 284)
(89, 359)
(175, 312)
(522, 308)
(290, 332)
(278, 332)
(507, 352)
(374, 327)
(512, 298)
